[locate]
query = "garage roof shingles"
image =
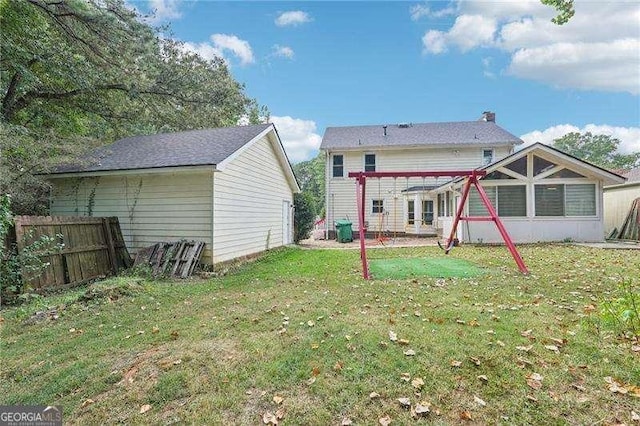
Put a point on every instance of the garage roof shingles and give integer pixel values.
(485, 133)
(190, 148)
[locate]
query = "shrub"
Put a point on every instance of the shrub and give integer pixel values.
(623, 311)
(304, 215)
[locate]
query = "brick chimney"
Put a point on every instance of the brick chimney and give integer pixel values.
(488, 116)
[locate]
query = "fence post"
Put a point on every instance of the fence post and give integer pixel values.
(106, 226)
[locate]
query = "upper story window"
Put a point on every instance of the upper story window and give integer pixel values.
(369, 162)
(338, 165)
(487, 156)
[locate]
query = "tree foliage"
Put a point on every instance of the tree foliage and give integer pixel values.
(564, 8)
(311, 176)
(77, 73)
(304, 215)
(601, 150)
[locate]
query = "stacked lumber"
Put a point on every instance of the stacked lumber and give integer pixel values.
(178, 259)
(630, 229)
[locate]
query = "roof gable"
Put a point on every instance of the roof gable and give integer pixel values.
(190, 148)
(479, 133)
(554, 154)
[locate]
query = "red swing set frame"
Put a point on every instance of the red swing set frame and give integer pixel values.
(471, 177)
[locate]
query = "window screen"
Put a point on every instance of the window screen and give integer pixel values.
(580, 200)
(549, 200)
(512, 201)
(411, 212)
(476, 206)
(338, 166)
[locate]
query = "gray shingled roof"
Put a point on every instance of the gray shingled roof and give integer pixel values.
(485, 133)
(191, 148)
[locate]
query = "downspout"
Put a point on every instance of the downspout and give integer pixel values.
(213, 205)
(327, 192)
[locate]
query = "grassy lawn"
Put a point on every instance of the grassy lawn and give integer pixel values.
(300, 334)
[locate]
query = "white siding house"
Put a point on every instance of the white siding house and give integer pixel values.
(540, 193)
(405, 206)
(230, 187)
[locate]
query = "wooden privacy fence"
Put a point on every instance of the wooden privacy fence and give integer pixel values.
(92, 247)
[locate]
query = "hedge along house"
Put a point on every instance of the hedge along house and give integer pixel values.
(231, 188)
(540, 194)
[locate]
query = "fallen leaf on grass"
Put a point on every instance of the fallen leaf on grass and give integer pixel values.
(311, 323)
(635, 417)
(280, 413)
(311, 381)
(145, 408)
(385, 421)
(465, 415)
(405, 376)
(87, 402)
(374, 395)
(409, 352)
(532, 398)
(475, 360)
(404, 402)
(315, 371)
(393, 336)
(617, 386)
(553, 348)
(269, 418)
(635, 348)
(422, 408)
(338, 366)
(479, 401)
(524, 348)
(278, 399)
(528, 334)
(588, 309)
(455, 363)
(346, 422)
(417, 383)
(483, 378)
(403, 342)
(155, 330)
(534, 380)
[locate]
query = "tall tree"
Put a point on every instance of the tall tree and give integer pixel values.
(76, 73)
(311, 176)
(601, 150)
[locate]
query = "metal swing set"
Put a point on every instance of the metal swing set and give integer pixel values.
(471, 179)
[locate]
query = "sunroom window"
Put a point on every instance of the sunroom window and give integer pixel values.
(565, 200)
(509, 201)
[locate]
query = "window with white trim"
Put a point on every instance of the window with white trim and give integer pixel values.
(377, 206)
(411, 212)
(509, 201)
(487, 156)
(369, 162)
(338, 165)
(569, 200)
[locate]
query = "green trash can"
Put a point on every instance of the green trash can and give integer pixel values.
(343, 231)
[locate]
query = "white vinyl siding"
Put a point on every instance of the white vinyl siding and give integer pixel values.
(248, 203)
(341, 200)
(150, 207)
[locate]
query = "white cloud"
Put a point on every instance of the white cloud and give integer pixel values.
(220, 43)
(299, 137)
(282, 51)
(205, 50)
(605, 66)
(598, 49)
(164, 10)
(471, 31)
(239, 48)
(487, 65)
(292, 18)
(629, 136)
(435, 42)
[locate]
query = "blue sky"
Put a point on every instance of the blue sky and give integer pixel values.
(318, 64)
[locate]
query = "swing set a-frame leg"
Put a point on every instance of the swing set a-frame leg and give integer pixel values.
(493, 216)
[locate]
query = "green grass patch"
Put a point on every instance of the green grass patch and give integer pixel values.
(302, 325)
(413, 267)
